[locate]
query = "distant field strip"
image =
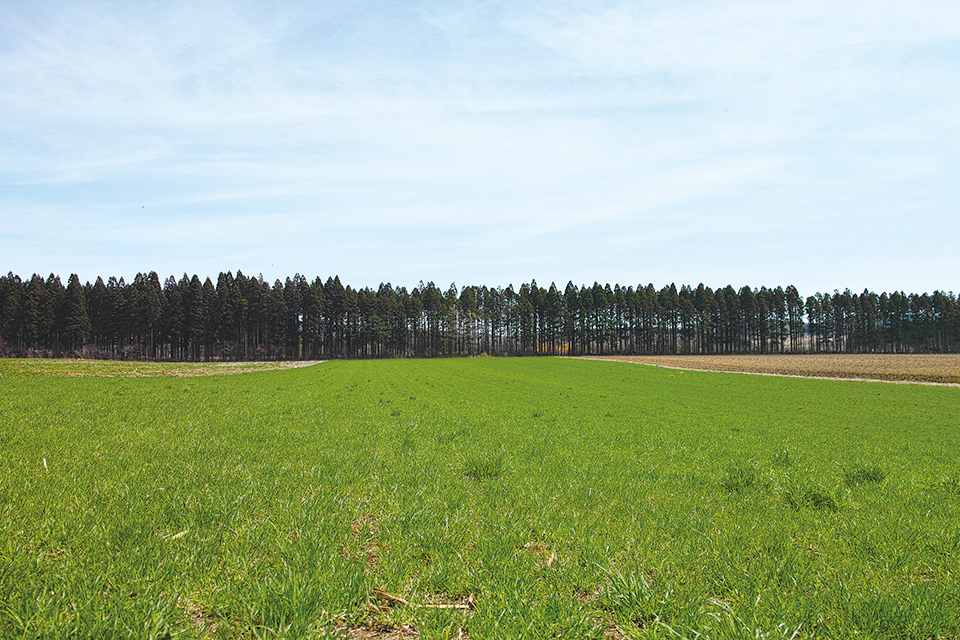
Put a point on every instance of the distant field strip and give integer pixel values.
(481, 498)
(934, 368)
(124, 369)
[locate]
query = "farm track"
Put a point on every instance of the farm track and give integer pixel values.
(942, 369)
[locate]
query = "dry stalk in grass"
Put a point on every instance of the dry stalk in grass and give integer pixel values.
(449, 605)
(384, 595)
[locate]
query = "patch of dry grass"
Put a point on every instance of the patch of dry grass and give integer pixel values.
(125, 369)
(928, 368)
(374, 632)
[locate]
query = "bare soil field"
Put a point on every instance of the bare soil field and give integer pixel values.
(917, 368)
(128, 369)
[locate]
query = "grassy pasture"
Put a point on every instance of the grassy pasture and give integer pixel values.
(482, 498)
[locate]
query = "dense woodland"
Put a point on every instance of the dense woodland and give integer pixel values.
(244, 318)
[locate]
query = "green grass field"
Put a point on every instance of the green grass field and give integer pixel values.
(497, 498)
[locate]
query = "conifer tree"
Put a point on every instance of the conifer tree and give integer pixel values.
(76, 322)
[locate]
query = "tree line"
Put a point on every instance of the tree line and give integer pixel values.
(247, 318)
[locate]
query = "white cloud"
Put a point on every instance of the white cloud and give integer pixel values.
(648, 124)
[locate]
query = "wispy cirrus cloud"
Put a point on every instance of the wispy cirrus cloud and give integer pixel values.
(584, 141)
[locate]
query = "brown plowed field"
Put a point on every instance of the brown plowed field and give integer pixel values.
(929, 368)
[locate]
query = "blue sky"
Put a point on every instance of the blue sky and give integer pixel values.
(740, 142)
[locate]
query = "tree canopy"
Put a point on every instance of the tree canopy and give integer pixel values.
(248, 318)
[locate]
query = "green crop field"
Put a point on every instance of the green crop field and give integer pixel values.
(477, 498)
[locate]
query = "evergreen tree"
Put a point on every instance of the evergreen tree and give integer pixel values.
(172, 320)
(76, 322)
(11, 314)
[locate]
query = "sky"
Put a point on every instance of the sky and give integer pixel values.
(742, 142)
